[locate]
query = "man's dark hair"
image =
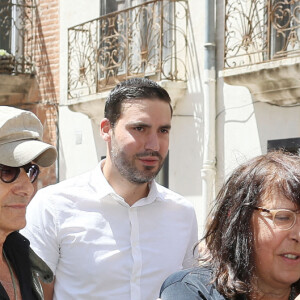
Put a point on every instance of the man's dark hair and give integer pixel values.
(229, 236)
(134, 88)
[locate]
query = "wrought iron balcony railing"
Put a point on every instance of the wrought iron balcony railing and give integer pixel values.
(258, 31)
(145, 40)
(17, 36)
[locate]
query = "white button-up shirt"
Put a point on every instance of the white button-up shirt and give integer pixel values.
(101, 248)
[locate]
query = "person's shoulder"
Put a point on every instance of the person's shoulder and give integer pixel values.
(40, 267)
(191, 283)
(66, 184)
(17, 240)
(191, 275)
(172, 197)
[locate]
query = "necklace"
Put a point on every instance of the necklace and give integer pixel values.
(11, 275)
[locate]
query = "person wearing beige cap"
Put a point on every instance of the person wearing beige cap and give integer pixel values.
(22, 151)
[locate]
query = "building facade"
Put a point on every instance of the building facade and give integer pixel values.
(230, 66)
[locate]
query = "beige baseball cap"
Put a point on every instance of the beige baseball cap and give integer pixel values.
(21, 134)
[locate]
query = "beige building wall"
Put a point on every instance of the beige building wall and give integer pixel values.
(243, 124)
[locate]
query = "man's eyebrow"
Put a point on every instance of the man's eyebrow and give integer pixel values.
(138, 123)
(143, 124)
(167, 126)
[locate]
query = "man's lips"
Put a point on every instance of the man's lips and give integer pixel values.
(149, 160)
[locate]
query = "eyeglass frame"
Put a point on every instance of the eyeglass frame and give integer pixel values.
(26, 167)
(273, 212)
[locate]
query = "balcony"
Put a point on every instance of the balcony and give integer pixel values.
(17, 34)
(145, 40)
(262, 49)
(17, 41)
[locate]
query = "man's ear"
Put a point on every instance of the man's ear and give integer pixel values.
(105, 129)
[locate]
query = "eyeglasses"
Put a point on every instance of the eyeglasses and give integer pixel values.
(10, 174)
(283, 219)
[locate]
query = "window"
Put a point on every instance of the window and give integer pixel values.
(260, 30)
(290, 145)
(110, 55)
(5, 25)
(17, 35)
(129, 39)
(284, 19)
(108, 6)
(11, 26)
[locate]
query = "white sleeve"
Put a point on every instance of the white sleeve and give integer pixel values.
(41, 229)
(191, 252)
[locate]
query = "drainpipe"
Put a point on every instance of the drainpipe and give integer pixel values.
(208, 170)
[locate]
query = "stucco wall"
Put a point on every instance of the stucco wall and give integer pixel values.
(243, 125)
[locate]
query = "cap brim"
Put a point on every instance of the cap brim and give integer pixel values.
(22, 152)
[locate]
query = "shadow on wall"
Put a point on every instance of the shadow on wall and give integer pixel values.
(46, 53)
(187, 127)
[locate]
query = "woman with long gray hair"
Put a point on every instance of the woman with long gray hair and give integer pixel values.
(252, 243)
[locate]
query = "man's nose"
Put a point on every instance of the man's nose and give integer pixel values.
(152, 142)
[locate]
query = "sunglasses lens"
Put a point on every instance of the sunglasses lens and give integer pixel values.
(8, 174)
(32, 171)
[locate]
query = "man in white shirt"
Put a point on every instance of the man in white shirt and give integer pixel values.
(114, 233)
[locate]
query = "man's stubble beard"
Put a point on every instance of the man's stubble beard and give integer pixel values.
(127, 168)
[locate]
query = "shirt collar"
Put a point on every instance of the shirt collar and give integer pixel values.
(155, 194)
(99, 183)
(101, 186)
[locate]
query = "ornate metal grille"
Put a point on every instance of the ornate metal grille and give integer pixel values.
(145, 40)
(17, 20)
(257, 31)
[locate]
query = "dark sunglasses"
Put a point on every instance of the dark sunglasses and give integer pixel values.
(10, 174)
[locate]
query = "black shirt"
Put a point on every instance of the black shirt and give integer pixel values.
(16, 248)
